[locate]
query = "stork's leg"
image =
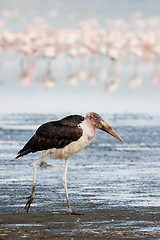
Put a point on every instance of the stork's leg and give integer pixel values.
(31, 198)
(64, 179)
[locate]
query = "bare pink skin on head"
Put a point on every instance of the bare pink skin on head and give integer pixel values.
(98, 122)
(94, 118)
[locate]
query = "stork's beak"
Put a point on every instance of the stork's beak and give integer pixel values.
(104, 126)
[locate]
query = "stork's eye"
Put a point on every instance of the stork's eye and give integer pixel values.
(95, 118)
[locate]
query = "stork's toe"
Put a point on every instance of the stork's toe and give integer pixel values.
(30, 200)
(70, 212)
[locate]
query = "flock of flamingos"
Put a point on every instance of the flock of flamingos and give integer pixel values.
(90, 52)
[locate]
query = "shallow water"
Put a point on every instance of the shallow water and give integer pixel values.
(106, 174)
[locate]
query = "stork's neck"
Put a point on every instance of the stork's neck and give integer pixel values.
(88, 129)
(90, 123)
(87, 125)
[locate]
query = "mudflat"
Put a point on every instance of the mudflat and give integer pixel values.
(109, 223)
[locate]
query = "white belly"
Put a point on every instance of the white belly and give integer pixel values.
(74, 147)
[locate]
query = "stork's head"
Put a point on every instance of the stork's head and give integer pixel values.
(98, 122)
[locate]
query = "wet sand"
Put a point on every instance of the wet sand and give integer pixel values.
(111, 223)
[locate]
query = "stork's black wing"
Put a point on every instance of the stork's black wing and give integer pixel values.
(55, 134)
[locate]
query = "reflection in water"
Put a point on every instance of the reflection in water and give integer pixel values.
(155, 75)
(113, 83)
(28, 70)
(82, 73)
(26, 78)
(1, 80)
(48, 80)
(73, 79)
(136, 79)
(92, 78)
(88, 49)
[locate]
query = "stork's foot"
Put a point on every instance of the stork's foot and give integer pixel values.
(30, 200)
(70, 212)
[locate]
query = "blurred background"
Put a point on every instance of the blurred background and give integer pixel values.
(79, 56)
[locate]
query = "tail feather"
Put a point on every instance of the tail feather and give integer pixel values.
(22, 153)
(28, 147)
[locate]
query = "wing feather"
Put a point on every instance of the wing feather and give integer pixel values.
(55, 134)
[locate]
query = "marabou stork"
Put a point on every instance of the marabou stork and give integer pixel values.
(61, 140)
